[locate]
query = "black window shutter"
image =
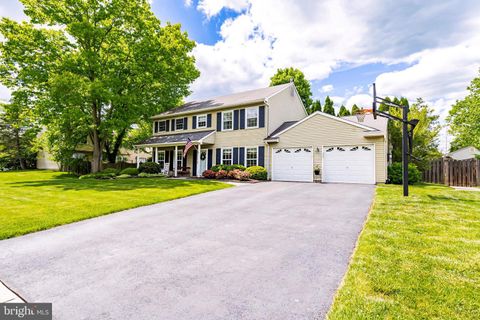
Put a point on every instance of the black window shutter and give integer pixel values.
(219, 156)
(241, 156)
(210, 156)
(261, 116)
(173, 124)
(242, 118)
(235, 156)
(194, 164)
(209, 120)
(219, 121)
(171, 160)
(261, 156)
(185, 123)
(156, 126)
(194, 122)
(167, 125)
(235, 119)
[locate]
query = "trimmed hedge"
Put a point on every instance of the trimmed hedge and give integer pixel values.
(257, 172)
(130, 171)
(227, 168)
(150, 167)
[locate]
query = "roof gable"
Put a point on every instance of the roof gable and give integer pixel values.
(322, 114)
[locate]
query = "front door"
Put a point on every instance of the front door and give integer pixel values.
(203, 162)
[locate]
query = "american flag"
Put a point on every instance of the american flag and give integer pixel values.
(188, 145)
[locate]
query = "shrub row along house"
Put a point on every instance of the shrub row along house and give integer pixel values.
(269, 127)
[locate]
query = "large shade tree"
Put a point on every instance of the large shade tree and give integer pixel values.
(96, 67)
(301, 83)
(464, 119)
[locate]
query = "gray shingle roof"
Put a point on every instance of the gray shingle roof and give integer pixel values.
(282, 127)
(176, 138)
(235, 99)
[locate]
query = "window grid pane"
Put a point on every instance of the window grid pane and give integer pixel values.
(202, 121)
(227, 156)
(252, 117)
(228, 120)
(179, 159)
(251, 157)
(161, 126)
(179, 124)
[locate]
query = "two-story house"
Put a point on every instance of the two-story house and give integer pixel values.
(269, 127)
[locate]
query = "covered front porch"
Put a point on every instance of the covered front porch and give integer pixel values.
(167, 151)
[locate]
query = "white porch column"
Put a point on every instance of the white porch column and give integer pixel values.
(199, 151)
(156, 155)
(175, 162)
(137, 157)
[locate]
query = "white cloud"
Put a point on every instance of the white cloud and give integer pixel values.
(187, 3)
(361, 100)
(213, 7)
(12, 9)
(327, 88)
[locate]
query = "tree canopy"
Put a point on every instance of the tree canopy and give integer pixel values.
(328, 106)
(343, 111)
(316, 106)
(464, 119)
(105, 66)
(355, 109)
(425, 134)
(301, 83)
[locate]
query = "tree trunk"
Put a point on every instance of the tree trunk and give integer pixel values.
(113, 152)
(21, 160)
(97, 152)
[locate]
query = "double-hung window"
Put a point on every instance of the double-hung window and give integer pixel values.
(202, 121)
(162, 126)
(161, 158)
(227, 156)
(251, 118)
(179, 159)
(227, 120)
(251, 156)
(179, 124)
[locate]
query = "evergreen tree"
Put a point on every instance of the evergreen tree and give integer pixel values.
(355, 109)
(328, 106)
(316, 106)
(343, 111)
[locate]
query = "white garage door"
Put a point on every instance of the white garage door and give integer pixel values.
(349, 164)
(292, 164)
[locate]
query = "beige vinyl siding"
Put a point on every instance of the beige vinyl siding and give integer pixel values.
(284, 106)
(321, 131)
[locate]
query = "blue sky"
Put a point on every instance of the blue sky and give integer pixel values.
(410, 48)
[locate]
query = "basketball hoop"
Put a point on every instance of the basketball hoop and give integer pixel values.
(360, 115)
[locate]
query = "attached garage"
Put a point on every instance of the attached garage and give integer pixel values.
(292, 164)
(342, 150)
(349, 164)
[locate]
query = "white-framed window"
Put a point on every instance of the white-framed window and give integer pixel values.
(251, 156)
(251, 117)
(179, 159)
(179, 124)
(227, 120)
(227, 156)
(202, 121)
(162, 126)
(161, 158)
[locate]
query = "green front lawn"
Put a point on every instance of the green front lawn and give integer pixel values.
(417, 258)
(37, 200)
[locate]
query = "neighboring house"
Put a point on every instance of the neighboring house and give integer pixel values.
(269, 127)
(464, 153)
(45, 159)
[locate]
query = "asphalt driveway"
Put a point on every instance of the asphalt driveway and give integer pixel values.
(272, 250)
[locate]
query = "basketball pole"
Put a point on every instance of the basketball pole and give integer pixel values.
(406, 145)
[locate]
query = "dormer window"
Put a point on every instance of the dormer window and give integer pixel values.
(251, 118)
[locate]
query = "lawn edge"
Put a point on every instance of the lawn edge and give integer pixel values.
(228, 185)
(354, 251)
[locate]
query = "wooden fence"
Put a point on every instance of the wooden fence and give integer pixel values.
(450, 172)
